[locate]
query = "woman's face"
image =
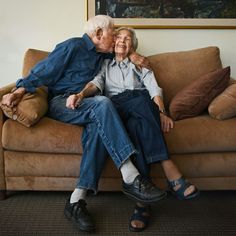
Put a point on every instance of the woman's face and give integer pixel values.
(123, 44)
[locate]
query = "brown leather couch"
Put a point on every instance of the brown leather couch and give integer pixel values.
(47, 155)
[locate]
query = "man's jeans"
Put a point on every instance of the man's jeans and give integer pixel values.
(103, 132)
(142, 120)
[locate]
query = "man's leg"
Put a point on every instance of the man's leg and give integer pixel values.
(93, 160)
(100, 111)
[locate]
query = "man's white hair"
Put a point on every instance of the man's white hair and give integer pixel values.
(133, 34)
(98, 21)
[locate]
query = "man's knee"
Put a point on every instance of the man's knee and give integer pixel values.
(101, 99)
(102, 102)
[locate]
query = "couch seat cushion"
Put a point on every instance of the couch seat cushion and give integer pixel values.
(201, 134)
(194, 135)
(47, 136)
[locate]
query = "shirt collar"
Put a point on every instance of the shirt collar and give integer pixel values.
(125, 62)
(89, 43)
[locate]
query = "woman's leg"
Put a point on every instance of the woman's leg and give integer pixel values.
(140, 217)
(142, 119)
(126, 105)
(173, 175)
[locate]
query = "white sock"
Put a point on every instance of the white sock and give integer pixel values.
(129, 171)
(79, 193)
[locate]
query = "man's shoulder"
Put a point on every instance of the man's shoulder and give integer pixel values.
(72, 42)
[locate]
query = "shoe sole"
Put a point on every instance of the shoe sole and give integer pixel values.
(145, 200)
(133, 229)
(80, 227)
(190, 197)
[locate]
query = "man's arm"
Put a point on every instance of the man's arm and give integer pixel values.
(139, 60)
(74, 100)
(45, 72)
(91, 88)
(49, 70)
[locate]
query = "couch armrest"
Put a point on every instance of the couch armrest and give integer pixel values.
(2, 175)
(4, 90)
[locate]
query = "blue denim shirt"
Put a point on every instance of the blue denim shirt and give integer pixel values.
(67, 69)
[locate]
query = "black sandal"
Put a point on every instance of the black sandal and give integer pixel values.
(184, 184)
(140, 216)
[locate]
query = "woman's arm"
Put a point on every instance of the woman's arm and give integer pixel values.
(159, 102)
(166, 122)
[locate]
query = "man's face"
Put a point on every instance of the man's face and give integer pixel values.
(123, 44)
(107, 41)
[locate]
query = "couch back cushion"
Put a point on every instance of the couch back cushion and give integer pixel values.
(175, 70)
(31, 58)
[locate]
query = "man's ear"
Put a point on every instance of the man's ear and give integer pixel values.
(99, 33)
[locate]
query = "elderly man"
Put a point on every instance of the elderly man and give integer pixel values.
(65, 72)
(132, 91)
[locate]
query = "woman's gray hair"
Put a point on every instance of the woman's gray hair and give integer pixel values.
(98, 21)
(133, 34)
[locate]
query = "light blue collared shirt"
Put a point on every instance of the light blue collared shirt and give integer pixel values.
(116, 77)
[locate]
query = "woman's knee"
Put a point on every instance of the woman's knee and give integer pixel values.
(143, 101)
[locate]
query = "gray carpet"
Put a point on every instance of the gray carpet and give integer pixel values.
(41, 213)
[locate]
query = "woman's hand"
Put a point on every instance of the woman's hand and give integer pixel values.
(74, 100)
(166, 123)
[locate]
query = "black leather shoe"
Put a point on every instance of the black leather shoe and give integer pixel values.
(144, 191)
(79, 215)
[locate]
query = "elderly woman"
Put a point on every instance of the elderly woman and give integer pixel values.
(138, 99)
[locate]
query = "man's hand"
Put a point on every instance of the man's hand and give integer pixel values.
(74, 100)
(166, 123)
(139, 61)
(12, 99)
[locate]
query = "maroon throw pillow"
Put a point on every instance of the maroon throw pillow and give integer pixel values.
(193, 99)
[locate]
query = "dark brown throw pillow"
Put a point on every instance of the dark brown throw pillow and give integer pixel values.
(193, 99)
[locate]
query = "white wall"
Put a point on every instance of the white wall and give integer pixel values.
(42, 24)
